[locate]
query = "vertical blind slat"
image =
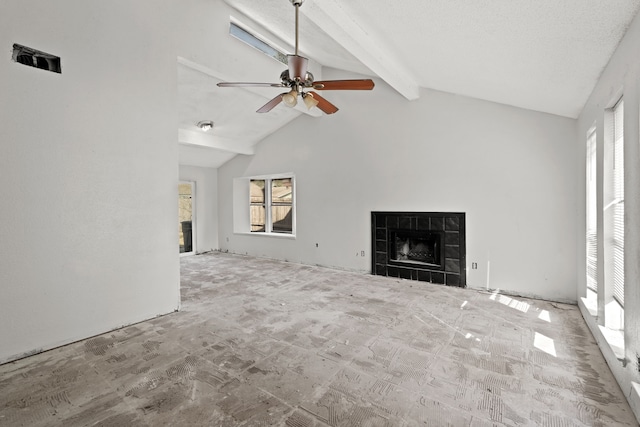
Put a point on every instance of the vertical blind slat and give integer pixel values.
(618, 207)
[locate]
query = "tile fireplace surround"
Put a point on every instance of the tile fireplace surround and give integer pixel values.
(447, 228)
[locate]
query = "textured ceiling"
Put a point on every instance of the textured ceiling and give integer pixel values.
(543, 55)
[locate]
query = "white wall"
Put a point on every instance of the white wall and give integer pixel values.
(206, 201)
(89, 170)
(620, 78)
(514, 172)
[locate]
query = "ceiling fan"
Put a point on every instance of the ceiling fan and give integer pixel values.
(299, 82)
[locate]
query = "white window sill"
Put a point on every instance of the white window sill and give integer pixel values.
(613, 338)
(262, 234)
(591, 305)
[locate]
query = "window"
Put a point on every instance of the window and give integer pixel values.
(258, 205)
(271, 205)
(617, 203)
(253, 41)
(592, 213)
(186, 217)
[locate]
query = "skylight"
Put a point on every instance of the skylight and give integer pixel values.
(245, 36)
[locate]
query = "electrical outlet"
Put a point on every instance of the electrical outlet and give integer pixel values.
(361, 253)
(474, 265)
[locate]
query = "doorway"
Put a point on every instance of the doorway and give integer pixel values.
(186, 205)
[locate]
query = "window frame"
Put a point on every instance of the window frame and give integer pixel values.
(268, 205)
(282, 203)
(591, 211)
(617, 177)
(257, 204)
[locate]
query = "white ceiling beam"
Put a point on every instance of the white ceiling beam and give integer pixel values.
(338, 23)
(200, 139)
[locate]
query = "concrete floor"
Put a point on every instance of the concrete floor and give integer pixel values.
(261, 342)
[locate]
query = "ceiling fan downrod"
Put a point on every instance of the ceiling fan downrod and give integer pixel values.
(297, 4)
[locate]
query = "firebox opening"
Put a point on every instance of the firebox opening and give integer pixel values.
(422, 248)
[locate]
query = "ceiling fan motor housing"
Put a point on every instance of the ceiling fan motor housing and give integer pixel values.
(297, 67)
(287, 81)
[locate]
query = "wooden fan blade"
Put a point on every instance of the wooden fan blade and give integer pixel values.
(269, 105)
(247, 84)
(363, 84)
(323, 104)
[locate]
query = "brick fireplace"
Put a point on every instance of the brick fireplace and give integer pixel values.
(425, 246)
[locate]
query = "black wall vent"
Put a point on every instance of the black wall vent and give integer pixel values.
(35, 58)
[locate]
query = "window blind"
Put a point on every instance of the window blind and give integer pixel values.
(592, 214)
(618, 203)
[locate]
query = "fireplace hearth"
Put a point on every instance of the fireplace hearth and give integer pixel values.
(425, 246)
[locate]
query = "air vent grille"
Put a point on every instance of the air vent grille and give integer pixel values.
(35, 58)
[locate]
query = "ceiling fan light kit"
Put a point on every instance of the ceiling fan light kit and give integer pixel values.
(309, 100)
(297, 79)
(290, 99)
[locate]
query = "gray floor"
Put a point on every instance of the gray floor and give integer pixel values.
(261, 342)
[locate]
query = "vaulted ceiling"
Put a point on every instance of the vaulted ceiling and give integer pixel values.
(539, 55)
